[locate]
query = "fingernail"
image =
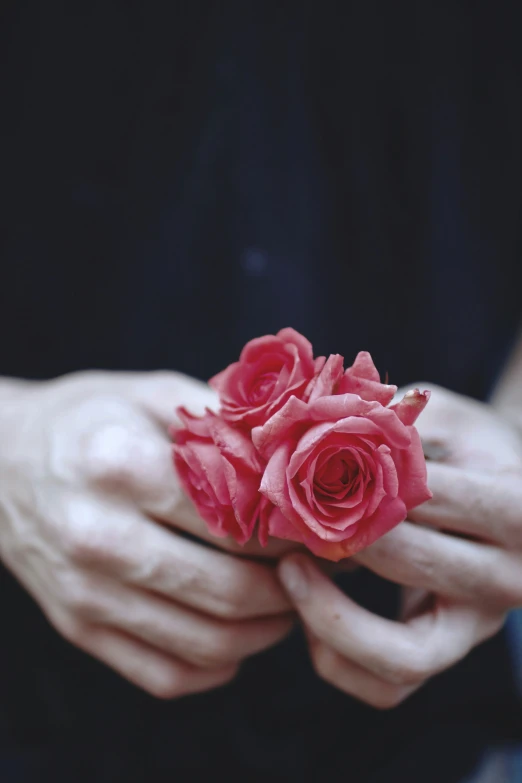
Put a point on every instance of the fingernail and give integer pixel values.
(294, 580)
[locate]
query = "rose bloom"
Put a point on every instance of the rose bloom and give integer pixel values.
(270, 370)
(342, 471)
(220, 471)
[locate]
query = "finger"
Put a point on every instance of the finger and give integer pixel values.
(178, 631)
(355, 680)
(185, 517)
(158, 674)
(446, 413)
(139, 552)
(449, 566)
(400, 653)
(160, 393)
(464, 432)
(488, 507)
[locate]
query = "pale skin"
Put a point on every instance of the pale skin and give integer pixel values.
(458, 557)
(91, 518)
(92, 522)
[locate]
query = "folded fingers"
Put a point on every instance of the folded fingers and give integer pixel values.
(165, 626)
(446, 565)
(401, 654)
(488, 507)
(160, 675)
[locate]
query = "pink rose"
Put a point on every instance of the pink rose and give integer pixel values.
(342, 470)
(270, 370)
(220, 471)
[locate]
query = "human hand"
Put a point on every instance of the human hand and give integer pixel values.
(86, 474)
(459, 558)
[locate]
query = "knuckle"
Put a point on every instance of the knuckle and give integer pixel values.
(111, 456)
(84, 538)
(85, 546)
(422, 561)
(76, 546)
(232, 600)
(179, 578)
(79, 599)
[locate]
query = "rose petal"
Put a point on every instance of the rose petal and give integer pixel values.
(280, 527)
(328, 379)
(342, 406)
(363, 367)
(244, 496)
(324, 527)
(411, 406)
(210, 464)
(345, 496)
(362, 378)
(412, 473)
(261, 347)
(389, 514)
(199, 490)
(390, 478)
(270, 369)
(282, 426)
(367, 432)
(319, 363)
(367, 390)
(375, 491)
(273, 483)
(264, 512)
(234, 444)
(311, 440)
(343, 433)
(305, 347)
(196, 425)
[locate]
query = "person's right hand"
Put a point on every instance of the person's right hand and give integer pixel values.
(86, 472)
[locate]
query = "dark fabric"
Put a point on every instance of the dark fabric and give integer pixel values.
(179, 177)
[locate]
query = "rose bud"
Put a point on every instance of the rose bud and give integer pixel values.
(270, 370)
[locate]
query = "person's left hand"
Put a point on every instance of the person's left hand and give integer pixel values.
(459, 558)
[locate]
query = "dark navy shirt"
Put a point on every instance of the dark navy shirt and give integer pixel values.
(177, 178)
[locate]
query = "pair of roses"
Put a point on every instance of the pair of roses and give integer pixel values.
(302, 449)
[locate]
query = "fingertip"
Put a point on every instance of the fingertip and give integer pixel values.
(295, 573)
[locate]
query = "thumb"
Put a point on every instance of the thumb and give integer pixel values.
(161, 393)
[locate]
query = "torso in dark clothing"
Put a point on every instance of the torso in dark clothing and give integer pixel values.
(178, 178)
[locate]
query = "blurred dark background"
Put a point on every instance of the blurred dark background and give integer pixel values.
(350, 169)
(178, 177)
